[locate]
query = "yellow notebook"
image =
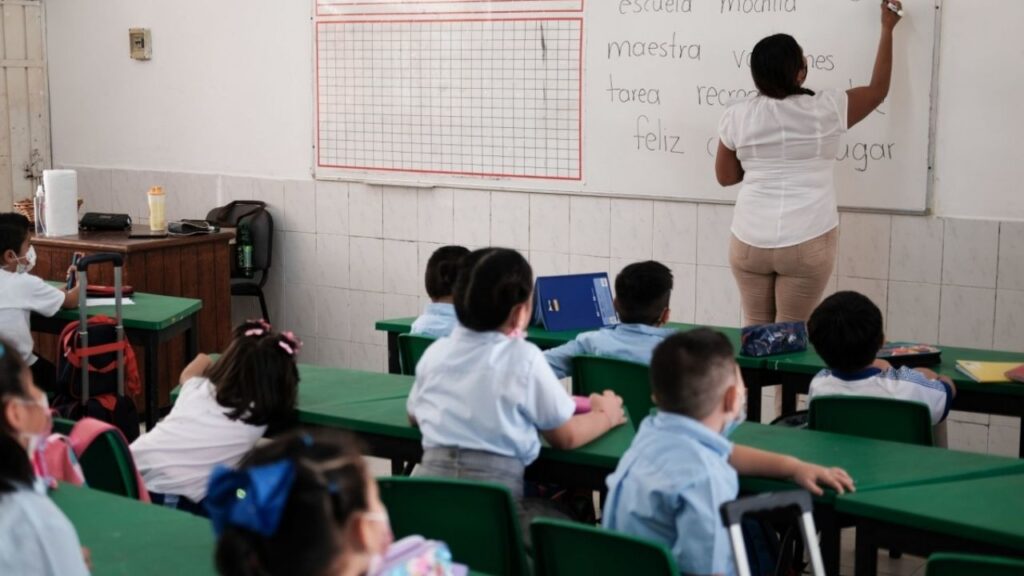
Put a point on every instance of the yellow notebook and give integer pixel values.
(985, 372)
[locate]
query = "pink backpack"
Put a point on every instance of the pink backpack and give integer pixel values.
(62, 453)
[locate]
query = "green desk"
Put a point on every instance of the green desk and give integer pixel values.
(873, 464)
(151, 321)
(981, 515)
(384, 426)
(129, 537)
(544, 339)
(1005, 399)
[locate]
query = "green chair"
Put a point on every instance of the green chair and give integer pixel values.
(63, 426)
(108, 465)
(631, 380)
(970, 565)
(410, 348)
(878, 418)
(478, 520)
(563, 548)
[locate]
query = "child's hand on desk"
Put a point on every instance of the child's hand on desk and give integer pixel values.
(812, 477)
(610, 404)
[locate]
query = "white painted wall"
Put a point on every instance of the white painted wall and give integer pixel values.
(229, 88)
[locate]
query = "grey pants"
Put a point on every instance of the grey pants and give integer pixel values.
(487, 467)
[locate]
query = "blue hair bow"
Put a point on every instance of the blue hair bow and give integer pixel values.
(253, 498)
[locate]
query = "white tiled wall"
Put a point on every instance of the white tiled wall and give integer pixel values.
(349, 254)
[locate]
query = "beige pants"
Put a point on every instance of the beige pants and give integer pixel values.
(782, 284)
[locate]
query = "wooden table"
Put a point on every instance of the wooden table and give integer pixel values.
(188, 266)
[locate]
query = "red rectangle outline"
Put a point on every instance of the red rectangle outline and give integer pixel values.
(579, 138)
(379, 14)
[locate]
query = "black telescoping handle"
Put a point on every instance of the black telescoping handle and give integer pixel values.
(733, 512)
(112, 257)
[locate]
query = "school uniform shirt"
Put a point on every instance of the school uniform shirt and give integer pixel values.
(632, 342)
(36, 537)
(899, 384)
(438, 320)
(20, 296)
(489, 392)
(668, 488)
(178, 455)
(788, 150)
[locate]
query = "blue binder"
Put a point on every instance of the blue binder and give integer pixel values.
(574, 302)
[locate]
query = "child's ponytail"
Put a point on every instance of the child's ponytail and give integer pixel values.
(257, 378)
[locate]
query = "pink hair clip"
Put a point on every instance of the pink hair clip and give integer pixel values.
(289, 343)
(264, 327)
(255, 332)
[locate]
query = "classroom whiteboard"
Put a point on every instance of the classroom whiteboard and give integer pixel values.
(617, 97)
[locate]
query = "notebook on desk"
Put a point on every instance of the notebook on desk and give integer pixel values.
(988, 372)
(574, 302)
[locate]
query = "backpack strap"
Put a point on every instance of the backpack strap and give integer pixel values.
(87, 430)
(61, 462)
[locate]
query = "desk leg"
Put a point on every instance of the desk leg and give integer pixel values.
(866, 551)
(394, 363)
(828, 523)
(754, 380)
(191, 340)
(789, 392)
(152, 378)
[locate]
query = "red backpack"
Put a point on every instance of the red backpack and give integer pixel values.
(103, 401)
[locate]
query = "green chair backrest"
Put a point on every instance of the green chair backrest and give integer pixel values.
(410, 348)
(563, 548)
(970, 565)
(108, 465)
(63, 426)
(478, 520)
(631, 380)
(878, 418)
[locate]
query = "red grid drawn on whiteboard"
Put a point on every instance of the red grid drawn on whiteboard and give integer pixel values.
(492, 98)
(443, 7)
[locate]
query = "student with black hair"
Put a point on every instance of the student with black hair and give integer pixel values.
(438, 318)
(482, 394)
(681, 467)
(35, 536)
(22, 293)
(308, 507)
(846, 331)
(782, 145)
(222, 410)
(642, 292)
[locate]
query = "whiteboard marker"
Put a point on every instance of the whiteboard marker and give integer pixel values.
(894, 9)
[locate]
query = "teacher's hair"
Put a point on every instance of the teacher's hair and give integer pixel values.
(775, 63)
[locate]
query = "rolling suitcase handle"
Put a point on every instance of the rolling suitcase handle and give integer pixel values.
(83, 316)
(733, 513)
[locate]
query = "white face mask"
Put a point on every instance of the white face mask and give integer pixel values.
(740, 418)
(30, 261)
(377, 559)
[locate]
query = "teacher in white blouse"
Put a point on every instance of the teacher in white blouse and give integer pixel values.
(782, 144)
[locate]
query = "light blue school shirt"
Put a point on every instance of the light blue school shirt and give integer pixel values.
(632, 342)
(437, 321)
(669, 486)
(486, 391)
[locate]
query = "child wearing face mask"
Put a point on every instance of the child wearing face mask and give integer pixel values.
(22, 293)
(302, 505)
(681, 467)
(482, 394)
(35, 536)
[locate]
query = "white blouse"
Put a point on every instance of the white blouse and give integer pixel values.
(788, 151)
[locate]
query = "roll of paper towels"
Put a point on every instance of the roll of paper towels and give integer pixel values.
(61, 211)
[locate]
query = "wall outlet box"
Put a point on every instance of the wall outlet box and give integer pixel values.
(141, 43)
